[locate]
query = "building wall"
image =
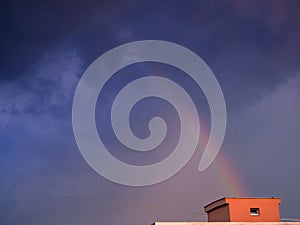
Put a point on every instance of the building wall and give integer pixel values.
(240, 210)
(220, 215)
(226, 223)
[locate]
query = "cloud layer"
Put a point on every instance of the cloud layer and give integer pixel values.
(251, 46)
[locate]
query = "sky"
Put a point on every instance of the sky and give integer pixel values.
(253, 49)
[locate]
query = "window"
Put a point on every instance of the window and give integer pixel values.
(254, 211)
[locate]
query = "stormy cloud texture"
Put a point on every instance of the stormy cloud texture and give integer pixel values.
(251, 46)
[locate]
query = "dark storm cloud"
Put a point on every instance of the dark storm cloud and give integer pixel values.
(251, 46)
(31, 28)
(264, 52)
(48, 89)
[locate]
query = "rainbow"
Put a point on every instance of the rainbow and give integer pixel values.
(222, 166)
(225, 169)
(229, 176)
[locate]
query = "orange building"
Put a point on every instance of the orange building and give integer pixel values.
(244, 210)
